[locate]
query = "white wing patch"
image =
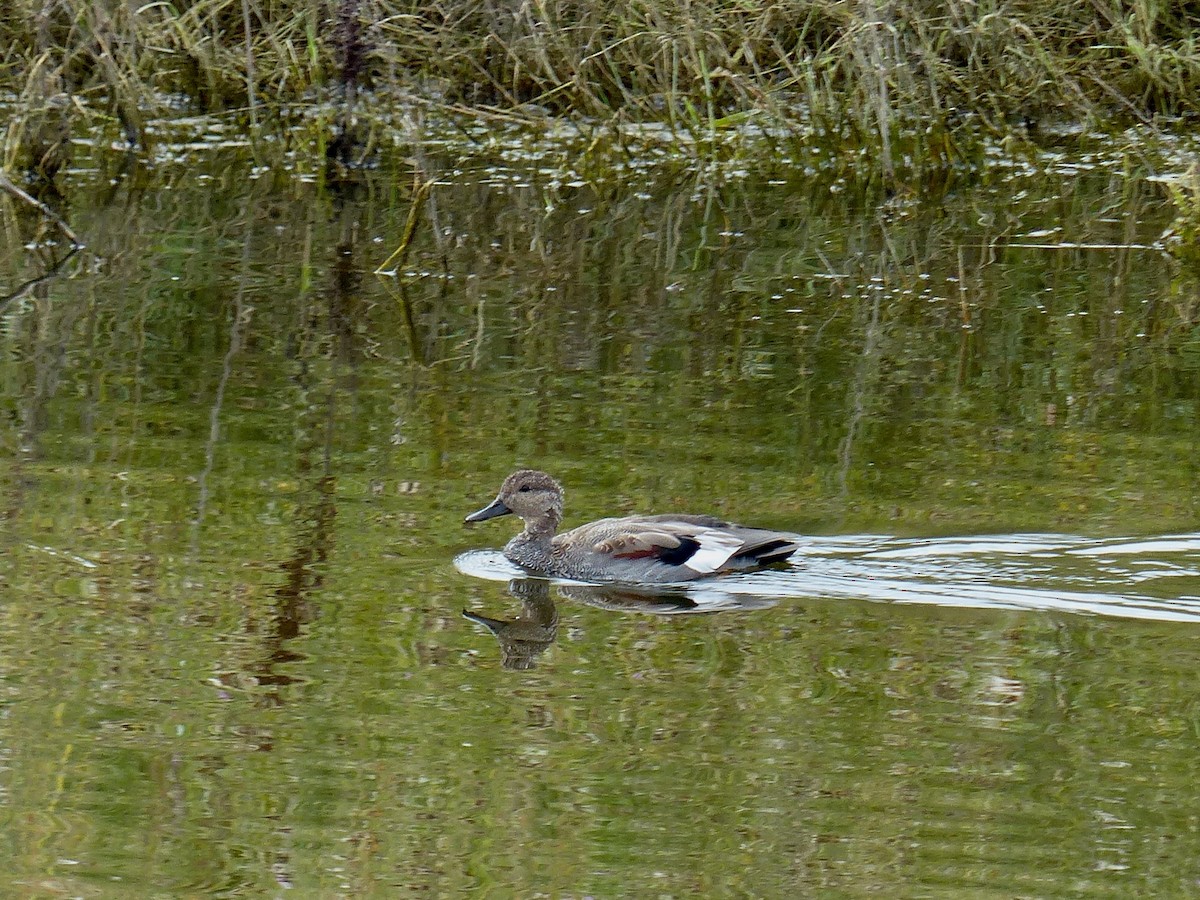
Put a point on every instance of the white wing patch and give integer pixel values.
(715, 549)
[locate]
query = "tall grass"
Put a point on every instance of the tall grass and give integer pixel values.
(864, 68)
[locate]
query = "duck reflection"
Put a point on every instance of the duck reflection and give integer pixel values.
(523, 639)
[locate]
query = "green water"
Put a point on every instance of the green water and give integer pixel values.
(235, 465)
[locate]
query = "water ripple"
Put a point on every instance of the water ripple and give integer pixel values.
(1155, 578)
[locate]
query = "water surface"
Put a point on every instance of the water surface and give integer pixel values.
(236, 464)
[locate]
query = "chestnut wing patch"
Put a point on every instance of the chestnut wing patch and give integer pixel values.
(672, 549)
(702, 550)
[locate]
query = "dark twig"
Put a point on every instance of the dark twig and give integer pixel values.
(10, 188)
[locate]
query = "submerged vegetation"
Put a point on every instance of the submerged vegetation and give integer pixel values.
(908, 79)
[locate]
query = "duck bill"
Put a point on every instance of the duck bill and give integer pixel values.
(492, 625)
(496, 508)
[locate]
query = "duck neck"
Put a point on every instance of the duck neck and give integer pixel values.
(541, 529)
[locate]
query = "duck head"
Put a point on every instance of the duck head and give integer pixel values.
(534, 496)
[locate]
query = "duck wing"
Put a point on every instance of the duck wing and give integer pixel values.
(699, 546)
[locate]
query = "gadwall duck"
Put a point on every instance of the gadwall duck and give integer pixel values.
(636, 549)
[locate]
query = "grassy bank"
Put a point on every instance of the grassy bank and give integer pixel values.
(902, 78)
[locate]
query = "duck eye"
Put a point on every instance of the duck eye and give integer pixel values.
(522, 489)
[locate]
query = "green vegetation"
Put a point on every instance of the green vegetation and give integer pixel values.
(908, 79)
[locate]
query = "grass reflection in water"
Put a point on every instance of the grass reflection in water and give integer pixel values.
(233, 485)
